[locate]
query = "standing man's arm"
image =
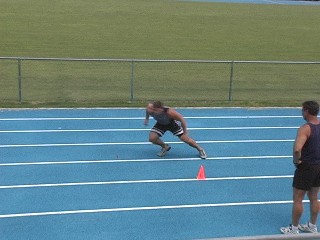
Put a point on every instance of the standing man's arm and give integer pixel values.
(302, 136)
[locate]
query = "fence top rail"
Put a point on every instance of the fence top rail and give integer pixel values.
(155, 60)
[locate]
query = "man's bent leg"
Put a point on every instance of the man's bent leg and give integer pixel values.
(155, 139)
(185, 138)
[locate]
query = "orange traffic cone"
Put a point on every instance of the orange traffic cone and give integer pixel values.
(201, 173)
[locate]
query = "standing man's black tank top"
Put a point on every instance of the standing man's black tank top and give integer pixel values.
(311, 150)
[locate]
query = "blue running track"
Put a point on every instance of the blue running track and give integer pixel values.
(92, 174)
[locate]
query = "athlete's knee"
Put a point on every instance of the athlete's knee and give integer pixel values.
(153, 137)
(183, 137)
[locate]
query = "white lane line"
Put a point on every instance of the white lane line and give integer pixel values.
(137, 160)
(71, 118)
(127, 209)
(139, 181)
(140, 118)
(139, 143)
(275, 2)
(136, 129)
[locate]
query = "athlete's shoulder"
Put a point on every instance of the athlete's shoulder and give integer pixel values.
(166, 108)
(174, 113)
(305, 126)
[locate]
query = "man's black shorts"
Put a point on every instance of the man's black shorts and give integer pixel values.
(306, 176)
(173, 127)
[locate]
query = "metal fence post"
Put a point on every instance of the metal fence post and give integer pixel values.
(231, 81)
(20, 79)
(132, 81)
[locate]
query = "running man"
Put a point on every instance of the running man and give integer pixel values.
(306, 158)
(168, 119)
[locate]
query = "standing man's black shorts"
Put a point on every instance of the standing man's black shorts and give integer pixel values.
(306, 176)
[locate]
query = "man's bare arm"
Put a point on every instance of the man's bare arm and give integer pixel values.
(301, 138)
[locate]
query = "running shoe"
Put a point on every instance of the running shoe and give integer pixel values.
(289, 230)
(164, 151)
(307, 228)
(202, 154)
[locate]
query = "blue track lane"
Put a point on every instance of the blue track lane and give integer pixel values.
(91, 174)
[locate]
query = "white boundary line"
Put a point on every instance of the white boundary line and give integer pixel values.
(137, 129)
(105, 210)
(138, 143)
(141, 118)
(276, 2)
(137, 160)
(139, 181)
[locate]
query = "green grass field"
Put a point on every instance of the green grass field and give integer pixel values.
(157, 29)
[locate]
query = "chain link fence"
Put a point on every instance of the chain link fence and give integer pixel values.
(118, 80)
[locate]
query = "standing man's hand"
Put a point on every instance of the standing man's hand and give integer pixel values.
(297, 163)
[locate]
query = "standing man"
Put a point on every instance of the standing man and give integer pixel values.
(168, 119)
(306, 158)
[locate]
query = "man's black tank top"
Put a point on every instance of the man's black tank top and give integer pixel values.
(311, 150)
